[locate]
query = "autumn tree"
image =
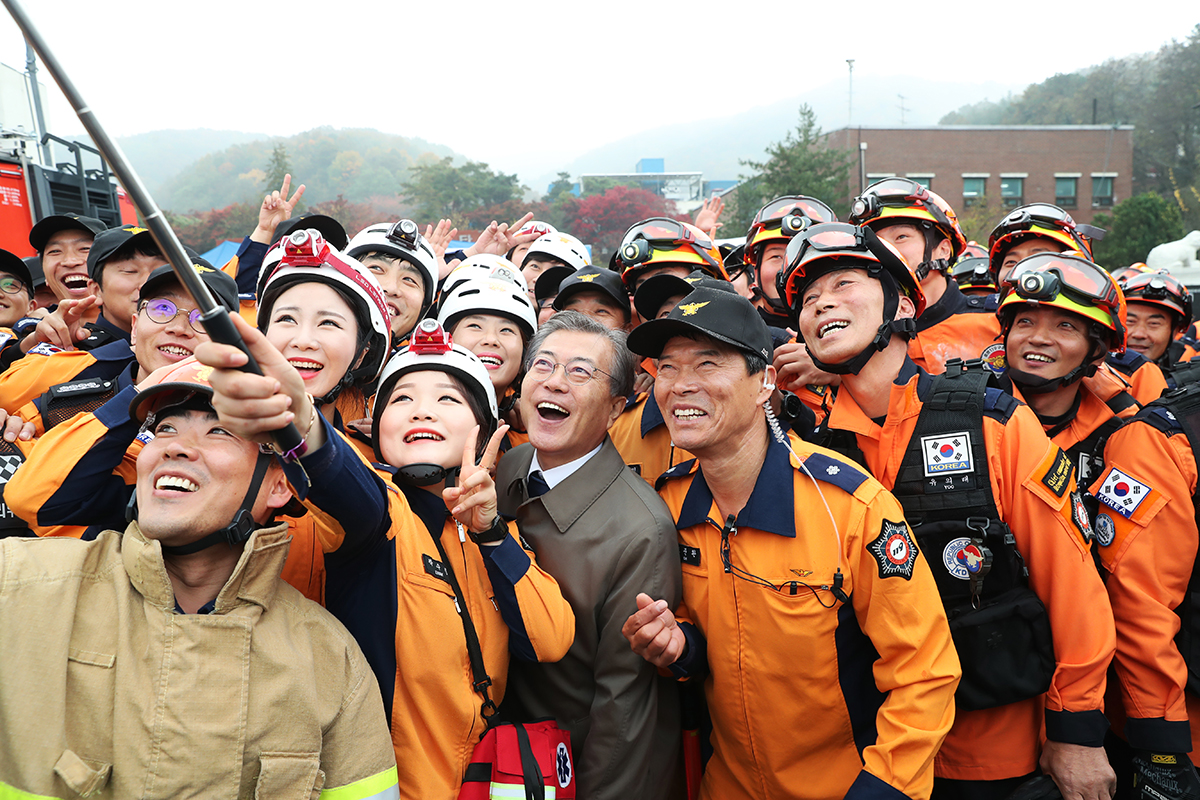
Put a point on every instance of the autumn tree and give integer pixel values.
(803, 163)
(601, 220)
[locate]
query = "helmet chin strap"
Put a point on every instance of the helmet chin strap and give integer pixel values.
(236, 532)
(929, 263)
(425, 475)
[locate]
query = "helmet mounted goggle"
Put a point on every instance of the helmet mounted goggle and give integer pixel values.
(1044, 276)
(662, 233)
(1161, 289)
(1044, 215)
(974, 272)
(896, 193)
(788, 215)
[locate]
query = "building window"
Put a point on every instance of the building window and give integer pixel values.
(923, 178)
(1066, 192)
(974, 191)
(1102, 191)
(1012, 191)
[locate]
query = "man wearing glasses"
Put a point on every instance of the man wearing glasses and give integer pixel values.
(604, 535)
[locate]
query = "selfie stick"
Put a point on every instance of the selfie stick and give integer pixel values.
(217, 322)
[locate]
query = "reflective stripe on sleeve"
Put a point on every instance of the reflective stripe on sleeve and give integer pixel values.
(12, 793)
(383, 786)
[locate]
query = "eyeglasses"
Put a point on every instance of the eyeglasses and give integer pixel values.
(1047, 275)
(163, 311)
(577, 373)
(11, 285)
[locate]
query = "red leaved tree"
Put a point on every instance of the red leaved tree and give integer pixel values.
(601, 220)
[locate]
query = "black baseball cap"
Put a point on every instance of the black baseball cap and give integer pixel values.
(14, 265)
(34, 265)
(46, 227)
(550, 280)
(112, 240)
(658, 289)
(593, 279)
(724, 316)
(223, 287)
(330, 229)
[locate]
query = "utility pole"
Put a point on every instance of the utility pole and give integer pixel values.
(40, 121)
(902, 108)
(850, 95)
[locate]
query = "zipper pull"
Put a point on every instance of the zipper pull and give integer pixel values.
(494, 603)
(457, 607)
(462, 534)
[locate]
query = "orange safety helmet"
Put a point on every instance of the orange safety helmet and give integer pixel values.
(892, 200)
(1039, 220)
(660, 241)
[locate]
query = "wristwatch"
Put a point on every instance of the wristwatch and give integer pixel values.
(493, 535)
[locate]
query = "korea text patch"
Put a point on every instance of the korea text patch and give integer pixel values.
(1122, 493)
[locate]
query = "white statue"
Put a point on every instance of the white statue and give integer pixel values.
(1176, 255)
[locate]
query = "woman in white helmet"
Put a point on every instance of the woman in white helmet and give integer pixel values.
(553, 250)
(493, 319)
(406, 267)
(421, 553)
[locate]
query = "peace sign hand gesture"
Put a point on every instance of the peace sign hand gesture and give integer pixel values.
(473, 500)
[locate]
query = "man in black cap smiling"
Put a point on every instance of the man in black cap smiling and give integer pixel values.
(832, 671)
(63, 242)
(598, 293)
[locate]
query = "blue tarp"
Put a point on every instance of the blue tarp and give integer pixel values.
(219, 256)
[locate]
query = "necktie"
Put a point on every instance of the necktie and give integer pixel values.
(536, 485)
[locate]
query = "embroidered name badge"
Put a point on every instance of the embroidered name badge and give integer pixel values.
(1058, 476)
(689, 555)
(894, 551)
(435, 568)
(1106, 529)
(947, 454)
(1122, 493)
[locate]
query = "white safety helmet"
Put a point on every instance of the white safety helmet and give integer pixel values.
(304, 256)
(484, 265)
(432, 349)
(400, 240)
(563, 246)
(488, 296)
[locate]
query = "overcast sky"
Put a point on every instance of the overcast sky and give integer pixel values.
(500, 81)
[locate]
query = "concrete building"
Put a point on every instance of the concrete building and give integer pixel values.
(1082, 168)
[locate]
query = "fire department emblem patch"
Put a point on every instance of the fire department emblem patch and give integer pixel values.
(993, 358)
(894, 550)
(1106, 529)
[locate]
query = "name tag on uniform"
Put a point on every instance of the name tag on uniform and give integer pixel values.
(435, 568)
(689, 555)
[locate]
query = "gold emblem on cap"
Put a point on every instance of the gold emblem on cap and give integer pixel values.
(589, 278)
(692, 280)
(691, 308)
(134, 230)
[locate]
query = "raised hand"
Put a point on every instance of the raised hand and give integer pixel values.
(473, 500)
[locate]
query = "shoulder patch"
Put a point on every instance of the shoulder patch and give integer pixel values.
(842, 474)
(1058, 476)
(1079, 516)
(894, 550)
(45, 349)
(1105, 529)
(1122, 493)
(994, 359)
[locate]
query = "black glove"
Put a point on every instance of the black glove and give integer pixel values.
(1164, 776)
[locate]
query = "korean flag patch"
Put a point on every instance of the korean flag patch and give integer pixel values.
(947, 454)
(894, 551)
(1122, 493)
